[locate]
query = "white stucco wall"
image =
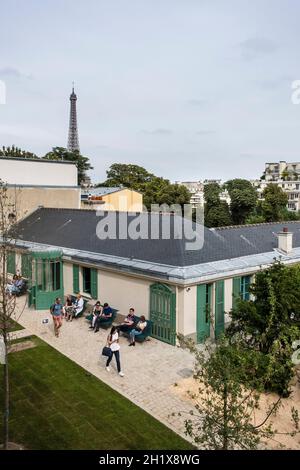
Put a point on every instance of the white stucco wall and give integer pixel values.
(187, 310)
(68, 278)
(23, 171)
(123, 292)
(227, 298)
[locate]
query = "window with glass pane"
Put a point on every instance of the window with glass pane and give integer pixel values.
(55, 275)
(86, 276)
(245, 284)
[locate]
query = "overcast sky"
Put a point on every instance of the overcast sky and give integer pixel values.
(189, 89)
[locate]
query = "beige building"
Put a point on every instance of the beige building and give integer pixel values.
(37, 172)
(287, 177)
(196, 188)
(33, 183)
(188, 292)
(113, 199)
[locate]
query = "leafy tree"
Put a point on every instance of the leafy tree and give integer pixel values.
(216, 212)
(16, 152)
(287, 215)
(217, 216)
(274, 203)
(227, 398)
(156, 190)
(264, 324)
(254, 219)
(129, 176)
(161, 191)
(285, 175)
(243, 198)
(8, 306)
(61, 153)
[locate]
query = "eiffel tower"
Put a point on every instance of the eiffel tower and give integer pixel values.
(73, 141)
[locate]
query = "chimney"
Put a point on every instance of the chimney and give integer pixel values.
(285, 241)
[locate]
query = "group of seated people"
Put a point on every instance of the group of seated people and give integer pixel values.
(102, 314)
(15, 286)
(72, 308)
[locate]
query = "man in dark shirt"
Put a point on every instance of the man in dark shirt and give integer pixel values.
(104, 316)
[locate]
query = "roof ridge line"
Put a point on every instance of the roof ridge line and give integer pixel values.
(259, 224)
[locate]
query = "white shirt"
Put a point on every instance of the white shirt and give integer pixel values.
(79, 304)
(115, 346)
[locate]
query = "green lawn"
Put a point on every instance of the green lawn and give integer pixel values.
(55, 404)
(14, 326)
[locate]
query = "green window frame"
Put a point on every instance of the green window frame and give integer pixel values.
(219, 308)
(75, 278)
(240, 289)
(11, 262)
(245, 285)
(86, 280)
(26, 266)
(94, 283)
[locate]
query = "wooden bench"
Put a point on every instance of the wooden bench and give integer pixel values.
(85, 303)
(144, 335)
(104, 323)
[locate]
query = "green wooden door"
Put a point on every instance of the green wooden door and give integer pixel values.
(48, 282)
(163, 313)
(11, 262)
(203, 312)
(219, 308)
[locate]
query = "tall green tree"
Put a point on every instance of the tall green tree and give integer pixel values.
(274, 203)
(216, 212)
(227, 398)
(127, 175)
(265, 323)
(14, 151)
(62, 154)
(155, 189)
(243, 198)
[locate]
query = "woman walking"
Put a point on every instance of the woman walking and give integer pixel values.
(57, 314)
(113, 344)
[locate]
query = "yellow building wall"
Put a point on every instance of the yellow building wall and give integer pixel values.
(125, 200)
(27, 199)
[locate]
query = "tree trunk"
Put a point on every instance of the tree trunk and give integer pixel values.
(6, 399)
(225, 418)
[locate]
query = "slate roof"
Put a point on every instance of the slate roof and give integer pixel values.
(101, 191)
(76, 229)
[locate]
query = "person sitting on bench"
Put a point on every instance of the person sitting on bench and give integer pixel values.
(18, 285)
(78, 305)
(128, 321)
(11, 285)
(97, 310)
(137, 330)
(104, 316)
(68, 308)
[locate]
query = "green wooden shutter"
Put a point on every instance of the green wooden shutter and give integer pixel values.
(236, 290)
(26, 267)
(203, 306)
(94, 283)
(219, 308)
(75, 278)
(11, 262)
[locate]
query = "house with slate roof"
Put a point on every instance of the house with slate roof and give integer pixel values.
(112, 198)
(186, 291)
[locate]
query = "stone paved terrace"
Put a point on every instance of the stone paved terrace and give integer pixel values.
(150, 368)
